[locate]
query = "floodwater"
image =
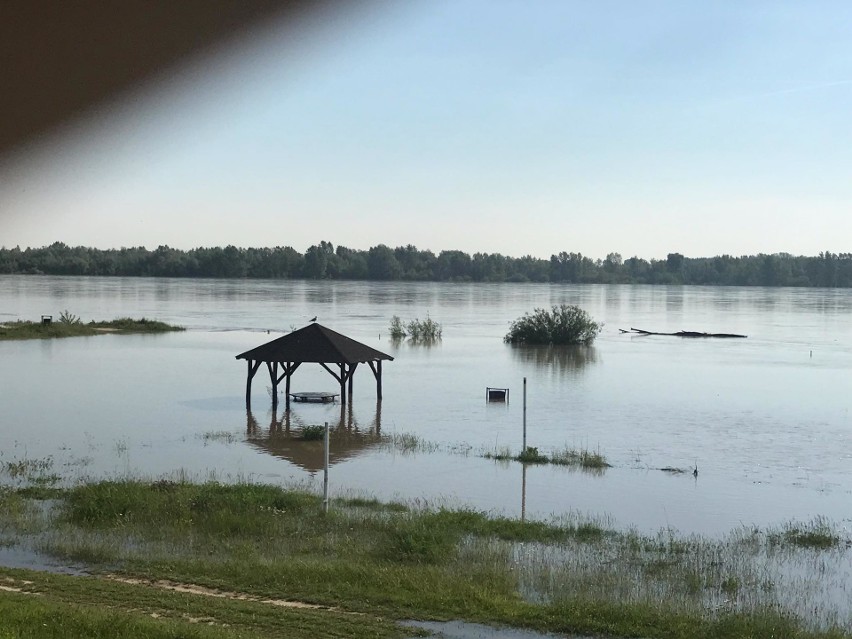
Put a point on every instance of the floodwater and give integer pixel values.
(465, 630)
(765, 419)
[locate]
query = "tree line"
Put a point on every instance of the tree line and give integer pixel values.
(324, 261)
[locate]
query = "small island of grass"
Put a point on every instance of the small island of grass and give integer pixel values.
(70, 325)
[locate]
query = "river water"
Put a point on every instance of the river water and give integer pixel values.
(765, 419)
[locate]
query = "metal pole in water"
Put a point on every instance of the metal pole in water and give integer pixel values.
(524, 449)
(325, 473)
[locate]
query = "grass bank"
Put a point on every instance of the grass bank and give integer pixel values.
(367, 564)
(20, 330)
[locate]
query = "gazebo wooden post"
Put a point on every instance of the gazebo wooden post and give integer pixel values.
(342, 383)
(352, 368)
(252, 369)
(376, 367)
(273, 376)
(287, 372)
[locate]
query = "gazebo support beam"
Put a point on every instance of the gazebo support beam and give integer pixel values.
(340, 378)
(344, 376)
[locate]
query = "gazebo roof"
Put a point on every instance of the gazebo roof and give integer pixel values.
(314, 343)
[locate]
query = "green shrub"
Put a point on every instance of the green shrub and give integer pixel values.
(66, 317)
(397, 330)
(416, 330)
(563, 324)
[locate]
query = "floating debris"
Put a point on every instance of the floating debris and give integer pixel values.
(639, 331)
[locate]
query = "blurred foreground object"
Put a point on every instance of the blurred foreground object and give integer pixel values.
(60, 59)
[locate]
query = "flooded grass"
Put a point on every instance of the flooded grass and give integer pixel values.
(818, 535)
(221, 436)
(29, 473)
(570, 575)
(577, 458)
(408, 443)
(22, 330)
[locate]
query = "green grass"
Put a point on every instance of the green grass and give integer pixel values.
(22, 330)
(389, 561)
(63, 606)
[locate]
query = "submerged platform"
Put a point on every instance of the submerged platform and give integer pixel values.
(312, 396)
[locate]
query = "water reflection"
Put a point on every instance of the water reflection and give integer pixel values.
(283, 437)
(674, 298)
(320, 293)
(561, 359)
(410, 342)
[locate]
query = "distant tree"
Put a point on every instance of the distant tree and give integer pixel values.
(382, 264)
(316, 263)
(453, 265)
(352, 264)
(407, 262)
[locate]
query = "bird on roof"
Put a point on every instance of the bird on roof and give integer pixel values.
(314, 318)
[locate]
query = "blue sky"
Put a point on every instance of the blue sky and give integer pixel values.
(482, 125)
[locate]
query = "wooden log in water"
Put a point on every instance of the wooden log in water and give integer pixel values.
(639, 331)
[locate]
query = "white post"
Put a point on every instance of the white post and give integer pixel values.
(524, 449)
(325, 474)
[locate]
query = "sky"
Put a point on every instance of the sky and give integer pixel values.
(499, 126)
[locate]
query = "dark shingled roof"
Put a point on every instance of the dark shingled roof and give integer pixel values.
(314, 343)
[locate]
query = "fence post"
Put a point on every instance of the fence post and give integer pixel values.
(524, 449)
(325, 473)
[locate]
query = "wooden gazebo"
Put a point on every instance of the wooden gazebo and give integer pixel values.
(313, 344)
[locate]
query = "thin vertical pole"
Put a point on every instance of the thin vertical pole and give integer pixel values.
(523, 492)
(379, 379)
(525, 416)
(325, 474)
